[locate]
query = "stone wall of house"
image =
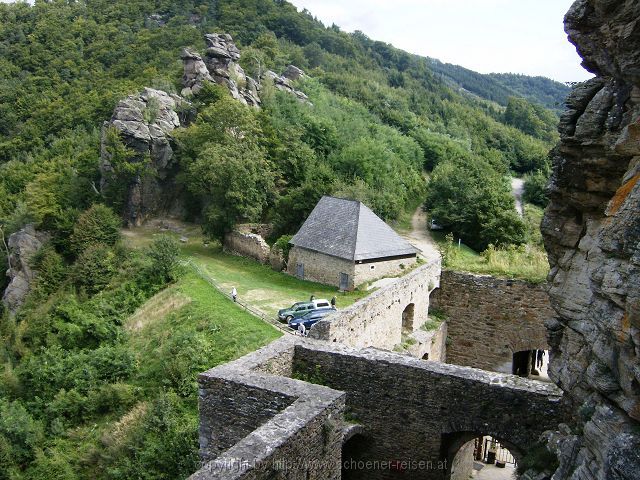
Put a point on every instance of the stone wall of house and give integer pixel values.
(367, 272)
(413, 416)
(377, 320)
(319, 267)
(489, 318)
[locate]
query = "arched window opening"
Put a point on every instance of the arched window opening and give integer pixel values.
(354, 455)
(479, 456)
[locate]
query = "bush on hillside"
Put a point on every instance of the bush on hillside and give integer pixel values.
(97, 225)
(535, 188)
(94, 268)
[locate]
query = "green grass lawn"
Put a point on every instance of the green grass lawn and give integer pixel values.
(201, 333)
(258, 285)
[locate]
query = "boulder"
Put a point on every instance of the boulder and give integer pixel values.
(22, 246)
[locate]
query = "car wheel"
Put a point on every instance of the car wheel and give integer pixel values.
(289, 318)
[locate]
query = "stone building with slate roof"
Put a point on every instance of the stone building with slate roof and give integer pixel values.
(343, 243)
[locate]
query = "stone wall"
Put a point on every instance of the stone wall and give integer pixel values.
(367, 272)
(257, 426)
(411, 416)
(591, 230)
(426, 344)
(319, 267)
(489, 318)
(377, 320)
(247, 244)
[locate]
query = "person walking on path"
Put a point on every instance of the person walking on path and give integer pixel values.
(333, 302)
(234, 294)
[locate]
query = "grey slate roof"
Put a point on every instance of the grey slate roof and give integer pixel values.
(349, 229)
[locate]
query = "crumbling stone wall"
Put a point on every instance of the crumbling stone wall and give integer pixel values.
(591, 230)
(377, 320)
(257, 426)
(410, 414)
(489, 318)
(247, 241)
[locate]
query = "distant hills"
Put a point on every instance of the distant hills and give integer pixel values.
(498, 87)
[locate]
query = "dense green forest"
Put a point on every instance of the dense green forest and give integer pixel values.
(381, 122)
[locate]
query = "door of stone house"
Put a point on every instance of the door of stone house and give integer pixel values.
(300, 270)
(344, 281)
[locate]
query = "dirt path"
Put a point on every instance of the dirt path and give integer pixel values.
(419, 236)
(517, 188)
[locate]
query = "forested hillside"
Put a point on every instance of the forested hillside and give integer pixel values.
(498, 87)
(81, 396)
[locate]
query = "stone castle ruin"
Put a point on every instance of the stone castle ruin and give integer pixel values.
(341, 404)
(357, 399)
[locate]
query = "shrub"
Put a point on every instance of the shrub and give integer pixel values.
(535, 188)
(284, 246)
(97, 225)
(51, 269)
(94, 268)
(164, 253)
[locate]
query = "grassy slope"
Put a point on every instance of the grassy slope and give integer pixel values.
(258, 285)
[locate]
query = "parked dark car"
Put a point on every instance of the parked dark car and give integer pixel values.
(310, 319)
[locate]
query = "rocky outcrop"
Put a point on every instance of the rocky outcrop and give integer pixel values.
(592, 234)
(145, 123)
(22, 246)
(220, 65)
(284, 84)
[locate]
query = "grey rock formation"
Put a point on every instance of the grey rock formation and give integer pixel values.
(293, 73)
(283, 83)
(145, 123)
(220, 65)
(195, 72)
(592, 235)
(221, 60)
(22, 246)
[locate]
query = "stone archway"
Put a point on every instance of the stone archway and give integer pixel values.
(354, 453)
(454, 445)
(407, 317)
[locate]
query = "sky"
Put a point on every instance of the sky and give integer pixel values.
(518, 36)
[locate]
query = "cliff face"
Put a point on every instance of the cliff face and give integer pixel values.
(592, 235)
